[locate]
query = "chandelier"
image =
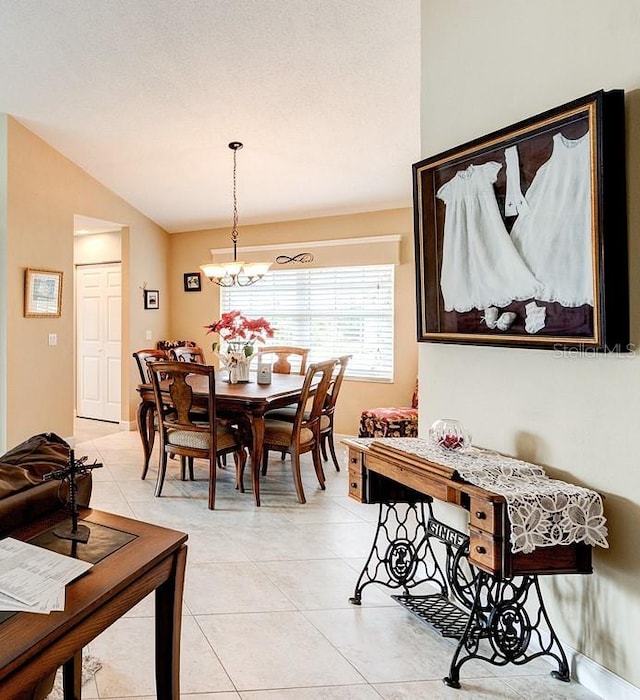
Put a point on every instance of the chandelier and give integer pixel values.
(235, 273)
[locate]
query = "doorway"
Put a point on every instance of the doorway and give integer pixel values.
(99, 341)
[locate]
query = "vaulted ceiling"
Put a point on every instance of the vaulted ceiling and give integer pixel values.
(145, 95)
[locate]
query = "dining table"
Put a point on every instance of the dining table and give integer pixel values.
(245, 399)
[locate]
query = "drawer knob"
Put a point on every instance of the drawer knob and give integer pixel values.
(354, 485)
(481, 550)
(353, 460)
(481, 515)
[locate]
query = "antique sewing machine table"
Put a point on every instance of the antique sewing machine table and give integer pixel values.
(486, 596)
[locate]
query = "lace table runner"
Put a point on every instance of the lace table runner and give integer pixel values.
(542, 511)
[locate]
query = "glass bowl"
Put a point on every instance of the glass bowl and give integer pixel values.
(449, 434)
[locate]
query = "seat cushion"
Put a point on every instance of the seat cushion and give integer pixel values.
(389, 422)
(288, 413)
(200, 441)
(279, 432)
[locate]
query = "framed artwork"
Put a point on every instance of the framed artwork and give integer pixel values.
(151, 299)
(42, 293)
(521, 235)
(192, 282)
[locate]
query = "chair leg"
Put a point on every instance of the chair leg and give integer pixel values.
(265, 461)
(332, 449)
(213, 469)
(317, 464)
(323, 447)
(297, 478)
(190, 463)
(162, 468)
(183, 467)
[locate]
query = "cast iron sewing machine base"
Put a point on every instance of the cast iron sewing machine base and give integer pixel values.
(495, 620)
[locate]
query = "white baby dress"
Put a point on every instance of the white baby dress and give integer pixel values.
(554, 237)
(480, 265)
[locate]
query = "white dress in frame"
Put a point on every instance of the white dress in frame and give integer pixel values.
(555, 237)
(480, 265)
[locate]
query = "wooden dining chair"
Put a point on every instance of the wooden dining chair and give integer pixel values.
(187, 354)
(288, 413)
(182, 430)
(142, 357)
(329, 408)
(303, 434)
(282, 365)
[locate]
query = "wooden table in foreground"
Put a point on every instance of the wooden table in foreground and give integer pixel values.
(489, 598)
(133, 560)
(249, 399)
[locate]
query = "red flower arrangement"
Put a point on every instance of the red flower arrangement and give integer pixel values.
(239, 332)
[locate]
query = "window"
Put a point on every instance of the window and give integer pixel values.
(333, 311)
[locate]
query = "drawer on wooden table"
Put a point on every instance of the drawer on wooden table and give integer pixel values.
(357, 477)
(485, 515)
(485, 551)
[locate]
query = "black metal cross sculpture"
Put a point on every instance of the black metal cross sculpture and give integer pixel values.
(75, 467)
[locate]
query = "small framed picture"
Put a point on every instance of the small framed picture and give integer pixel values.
(42, 293)
(192, 282)
(151, 299)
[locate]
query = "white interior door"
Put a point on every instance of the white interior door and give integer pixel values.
(98, 310)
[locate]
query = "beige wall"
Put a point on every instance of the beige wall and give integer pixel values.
(577, 415)
(44, 191)
(97, 248)
(191, 311)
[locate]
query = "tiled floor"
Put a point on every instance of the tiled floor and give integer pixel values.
(266, 611)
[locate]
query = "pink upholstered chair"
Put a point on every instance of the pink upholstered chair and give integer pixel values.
(391, 421)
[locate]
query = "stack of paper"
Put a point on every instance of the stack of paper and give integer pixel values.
(33, 579)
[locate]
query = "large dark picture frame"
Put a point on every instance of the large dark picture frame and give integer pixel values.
(521, 235)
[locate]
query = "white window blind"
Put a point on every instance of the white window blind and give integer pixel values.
(333, 311)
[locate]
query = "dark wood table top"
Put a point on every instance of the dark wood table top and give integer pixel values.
(140, 549)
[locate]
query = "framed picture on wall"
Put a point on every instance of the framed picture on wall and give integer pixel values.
(42, 293)
(192, 282)
(520, 236)
(151, 299)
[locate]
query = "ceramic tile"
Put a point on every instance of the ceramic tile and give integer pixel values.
(277, 542)
(275, 650)
(344, 692)
(477, 689)
(231, 587)
(319, 584)
(208, 543)
(534, 687)
(126, 651)
(386, 644)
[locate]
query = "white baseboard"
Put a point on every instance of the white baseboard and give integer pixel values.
(598, 679)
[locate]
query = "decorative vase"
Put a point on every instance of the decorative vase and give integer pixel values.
(449, 434)
(238, 366)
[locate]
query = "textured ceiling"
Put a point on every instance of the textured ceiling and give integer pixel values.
(145, 95)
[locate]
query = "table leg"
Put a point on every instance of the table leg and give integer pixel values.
(72, 677)
(168, 627)
(257, 433)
